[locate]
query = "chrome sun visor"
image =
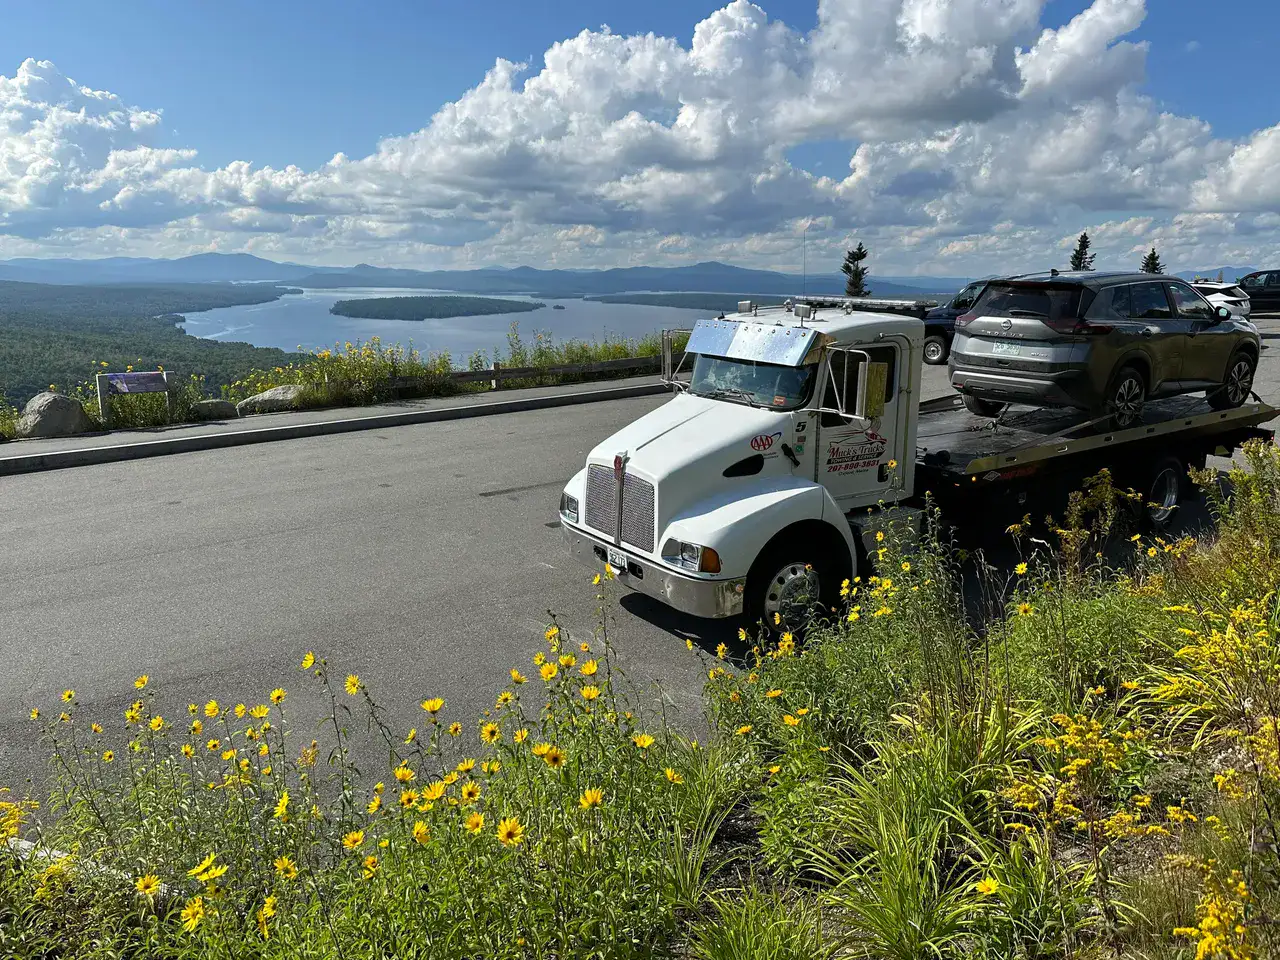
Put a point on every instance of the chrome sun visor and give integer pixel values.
(784, 345)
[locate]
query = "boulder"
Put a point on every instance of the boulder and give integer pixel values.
(272, 401)
(214, 410)
(53, 415)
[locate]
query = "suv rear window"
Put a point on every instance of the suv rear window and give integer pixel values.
(1036, 301)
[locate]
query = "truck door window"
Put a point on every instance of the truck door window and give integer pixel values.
(838, 361)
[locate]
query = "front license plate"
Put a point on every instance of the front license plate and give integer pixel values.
(1002, 349)
(617, 560)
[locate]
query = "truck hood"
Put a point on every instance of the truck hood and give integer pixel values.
(685, 445)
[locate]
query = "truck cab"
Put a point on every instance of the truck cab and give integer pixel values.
(741, 494)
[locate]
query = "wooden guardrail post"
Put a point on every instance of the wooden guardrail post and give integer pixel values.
(104, 399)
(497, 370)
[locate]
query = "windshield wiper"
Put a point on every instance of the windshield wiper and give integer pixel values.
(731, 393)
(1019, 312)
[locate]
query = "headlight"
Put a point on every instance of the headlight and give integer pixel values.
(569, 507)
(691, 556)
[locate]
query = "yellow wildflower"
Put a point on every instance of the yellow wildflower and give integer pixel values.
(510, 832)
(591, 797)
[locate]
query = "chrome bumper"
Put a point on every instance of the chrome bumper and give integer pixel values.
(691, 595)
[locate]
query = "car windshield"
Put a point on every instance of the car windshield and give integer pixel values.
(1038, 301)
(750, 382)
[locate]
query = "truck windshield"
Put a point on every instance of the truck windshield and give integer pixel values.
(750, 382)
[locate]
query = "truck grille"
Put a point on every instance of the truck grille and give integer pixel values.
(637, 507)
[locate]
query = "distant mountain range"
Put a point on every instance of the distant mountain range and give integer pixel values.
(701, 277)
(710, 277)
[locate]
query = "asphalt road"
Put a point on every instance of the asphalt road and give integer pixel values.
(423, 558)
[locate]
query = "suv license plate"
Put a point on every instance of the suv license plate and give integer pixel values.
(1004, 349)
(617, 560)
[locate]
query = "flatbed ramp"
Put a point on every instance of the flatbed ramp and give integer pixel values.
(953, 444)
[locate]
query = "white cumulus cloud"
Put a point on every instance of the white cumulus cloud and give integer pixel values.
(979, 137)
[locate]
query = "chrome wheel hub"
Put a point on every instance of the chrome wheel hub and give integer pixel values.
(791, 591)
(933, 351)
(1240, 381)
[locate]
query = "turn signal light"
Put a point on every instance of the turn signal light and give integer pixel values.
(709, 562)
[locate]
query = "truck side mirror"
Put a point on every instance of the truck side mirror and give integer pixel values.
(1221, 314)
(873, 378)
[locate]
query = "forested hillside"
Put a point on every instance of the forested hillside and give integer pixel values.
(57, 334)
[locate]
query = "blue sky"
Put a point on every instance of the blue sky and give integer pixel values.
(247, 88)
(291, 82)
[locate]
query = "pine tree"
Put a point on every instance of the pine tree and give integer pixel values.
(1081, 258)
(855, 284)
(1151, 263)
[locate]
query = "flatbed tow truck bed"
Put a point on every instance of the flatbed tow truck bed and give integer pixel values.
(956, 449)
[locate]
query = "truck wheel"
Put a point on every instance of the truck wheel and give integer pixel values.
(1236, 387)
(793, 579)
(1125, 398)
(935, 350)
(983, 408)
(1166, 485)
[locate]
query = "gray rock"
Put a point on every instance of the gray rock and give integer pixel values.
(214, 410)
(273, 400)
(53, 415)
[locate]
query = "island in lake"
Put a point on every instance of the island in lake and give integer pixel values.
(429, 308)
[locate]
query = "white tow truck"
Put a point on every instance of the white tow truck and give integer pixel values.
(759, 487)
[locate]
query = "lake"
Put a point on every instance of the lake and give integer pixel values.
(304, 320)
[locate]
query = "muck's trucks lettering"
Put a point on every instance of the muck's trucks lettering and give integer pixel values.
(758, 488)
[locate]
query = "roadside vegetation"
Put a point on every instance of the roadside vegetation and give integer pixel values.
(354, 374)
(1091, 770)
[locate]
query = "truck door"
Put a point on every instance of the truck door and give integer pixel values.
(851, 456)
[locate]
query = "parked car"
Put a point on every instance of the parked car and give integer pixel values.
(1224, 295)
(1263, 289)
(1101, 342)
(940, 322)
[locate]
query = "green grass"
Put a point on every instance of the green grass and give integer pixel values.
(1093, 772)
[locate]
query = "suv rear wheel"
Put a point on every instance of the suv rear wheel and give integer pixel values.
(1238, 384)
(983, 408)
(1125, 398)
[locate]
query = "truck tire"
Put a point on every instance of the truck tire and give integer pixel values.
(1125, 397)
(936, 349)
(983, 408)
(794, 577)
(1237, 385)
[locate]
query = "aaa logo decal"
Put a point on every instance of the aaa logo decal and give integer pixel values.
(765, 441)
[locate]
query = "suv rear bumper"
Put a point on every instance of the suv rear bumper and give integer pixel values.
(1062, 389)
(692, 595)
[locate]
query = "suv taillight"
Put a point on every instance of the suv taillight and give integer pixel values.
(965, 319)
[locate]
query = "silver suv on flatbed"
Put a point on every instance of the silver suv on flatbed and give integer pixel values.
(1100, 342)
